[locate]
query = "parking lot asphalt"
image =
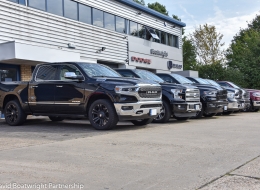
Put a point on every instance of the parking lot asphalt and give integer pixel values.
(222, 152)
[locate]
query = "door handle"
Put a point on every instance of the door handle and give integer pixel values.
(34, 86)
(59, 86)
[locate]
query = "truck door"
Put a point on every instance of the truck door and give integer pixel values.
(69, 93)
(42, 89)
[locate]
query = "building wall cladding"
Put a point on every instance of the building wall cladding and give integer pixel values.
(28, 25)
(26, 72)
(31, 26)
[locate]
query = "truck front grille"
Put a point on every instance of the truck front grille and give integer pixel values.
(150, 92)
(192, 95)
(222, 94)
(246, 95)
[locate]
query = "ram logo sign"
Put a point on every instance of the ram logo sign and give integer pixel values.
(171, 65)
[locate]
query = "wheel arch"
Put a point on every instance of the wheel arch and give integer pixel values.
(97, 96)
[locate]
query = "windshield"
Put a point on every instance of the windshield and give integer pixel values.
(181, 79)
(213, 82)
(147, 75)
(202, 81)
(235, 86)
(97, 70)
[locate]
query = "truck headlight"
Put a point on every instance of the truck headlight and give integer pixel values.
(256, 94)
(210, 93)
(177, 93)
(120, 89)
(231, 95)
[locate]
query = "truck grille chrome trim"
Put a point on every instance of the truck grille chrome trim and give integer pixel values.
(150, 92)
(192, 95)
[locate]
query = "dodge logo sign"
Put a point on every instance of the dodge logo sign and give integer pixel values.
(171, 65)
(141, 60)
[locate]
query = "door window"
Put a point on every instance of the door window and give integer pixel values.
(46, 73)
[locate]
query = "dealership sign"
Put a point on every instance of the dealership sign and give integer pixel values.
(160, 53)
(171, 65)
(141, 60)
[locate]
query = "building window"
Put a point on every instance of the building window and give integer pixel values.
(120, 25)
(55, 7)
(141, 31)
(85, 14)
(169, 40)
(159, 36)
(98, 18)
(163, 37)
(18, 1)
(133, 29)
(175, 41)
(71, 9)
(152, 34)
(38, 4)
(110, 21)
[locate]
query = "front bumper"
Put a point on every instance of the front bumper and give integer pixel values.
(244, 104)
(188, 109)
(215, 107)
(233, 106)
(138, 110)
(256, 104)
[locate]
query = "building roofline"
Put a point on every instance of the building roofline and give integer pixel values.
(152, 12)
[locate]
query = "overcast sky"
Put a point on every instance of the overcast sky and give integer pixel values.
(227, 15)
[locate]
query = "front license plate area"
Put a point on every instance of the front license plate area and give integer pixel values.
(225, 108)
(153, 112)
(197, 107)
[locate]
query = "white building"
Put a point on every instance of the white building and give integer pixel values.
(117, 33)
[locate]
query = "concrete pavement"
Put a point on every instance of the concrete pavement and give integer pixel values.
(211, 153)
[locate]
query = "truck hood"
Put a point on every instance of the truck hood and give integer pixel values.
(177, 86)
(123, 81)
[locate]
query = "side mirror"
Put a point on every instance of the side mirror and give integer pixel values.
(72, 75)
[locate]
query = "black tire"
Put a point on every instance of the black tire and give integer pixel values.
(228, 113)
(165, 114)
(142, 122)
(199, 114)
(14, 114)
(209, 114)
(56, 118)
(182, 118)
(255, 110)
(102, 115)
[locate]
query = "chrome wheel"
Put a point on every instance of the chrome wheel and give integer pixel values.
(161, 115)
(100, 115)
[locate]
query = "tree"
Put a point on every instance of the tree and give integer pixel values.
(158, 7)
(142, 2)
(189, 55)
(243, 55)
(208, 44)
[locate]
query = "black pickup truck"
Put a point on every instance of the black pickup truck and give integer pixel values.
(213, 99)
(180, 101)
(61, 90)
